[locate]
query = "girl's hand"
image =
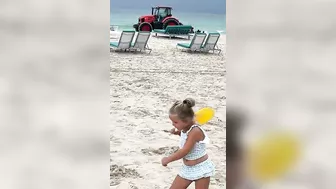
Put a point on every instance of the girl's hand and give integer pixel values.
(175, 132)
(165, 161)
(172, 131)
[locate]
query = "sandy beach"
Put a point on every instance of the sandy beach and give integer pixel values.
(142, 89)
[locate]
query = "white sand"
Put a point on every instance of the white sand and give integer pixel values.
(143, 87)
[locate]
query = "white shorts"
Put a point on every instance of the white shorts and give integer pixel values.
(198, 171)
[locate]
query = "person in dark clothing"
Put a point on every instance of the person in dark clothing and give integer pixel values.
(234, 149)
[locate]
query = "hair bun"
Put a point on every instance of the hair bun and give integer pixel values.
(177, 103)
(189, 102)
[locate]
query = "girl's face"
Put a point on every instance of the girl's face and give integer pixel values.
(179, 124)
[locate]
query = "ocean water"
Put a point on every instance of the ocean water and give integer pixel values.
(125, 19)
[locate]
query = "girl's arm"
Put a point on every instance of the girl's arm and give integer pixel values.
(194, 136)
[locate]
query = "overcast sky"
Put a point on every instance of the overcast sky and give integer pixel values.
(208, 6)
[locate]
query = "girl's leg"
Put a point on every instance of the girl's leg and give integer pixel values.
(202, 183)
(180, 183)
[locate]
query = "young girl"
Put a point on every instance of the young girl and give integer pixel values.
(196, 165)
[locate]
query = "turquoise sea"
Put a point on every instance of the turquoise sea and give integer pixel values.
(125, 19)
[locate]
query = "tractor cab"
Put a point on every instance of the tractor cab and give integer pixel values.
(161, 13)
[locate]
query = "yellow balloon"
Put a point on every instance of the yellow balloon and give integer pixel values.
(204, 115)
(273, 156)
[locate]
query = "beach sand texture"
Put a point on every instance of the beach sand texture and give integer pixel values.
(142, 89)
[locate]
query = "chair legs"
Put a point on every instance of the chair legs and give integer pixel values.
(147, 48)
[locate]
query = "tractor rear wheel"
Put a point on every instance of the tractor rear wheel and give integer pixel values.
(145, 27)
(170, 22)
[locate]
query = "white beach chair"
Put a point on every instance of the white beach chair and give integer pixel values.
(210, 43)
(141, 42)
(125, 41)
(195, 44)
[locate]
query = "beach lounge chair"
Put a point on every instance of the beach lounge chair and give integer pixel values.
(124, 42)
(195, 44)
(141, 42)
(210, 43)
(177, 30)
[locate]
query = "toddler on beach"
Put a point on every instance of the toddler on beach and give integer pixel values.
(197, 166)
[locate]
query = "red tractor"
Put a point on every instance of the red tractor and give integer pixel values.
(161, 17)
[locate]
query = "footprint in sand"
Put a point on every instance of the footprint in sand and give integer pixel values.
(160, 151)
(140, 112)
(125, 185)
(218, 179)
(114, 140)
(146, 132)
(132, 186)
(117, 172)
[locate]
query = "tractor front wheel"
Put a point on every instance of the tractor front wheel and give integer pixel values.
(170, 22)
(145, 27)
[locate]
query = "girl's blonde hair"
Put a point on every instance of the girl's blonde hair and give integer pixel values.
(183, 109)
